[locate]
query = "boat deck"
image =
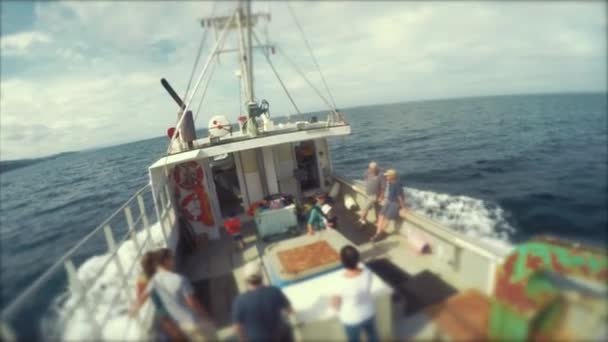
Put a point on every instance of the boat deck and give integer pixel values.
(214, 269)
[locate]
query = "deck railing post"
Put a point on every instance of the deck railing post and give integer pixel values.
(132, 231)
(107, 230)
(159, 216)
(144, 216)
(125, 284)
(169, 205)
(6, 333)
(76, 285)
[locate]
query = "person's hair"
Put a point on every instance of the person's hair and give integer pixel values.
(350, 257)
(162, 255)
(148, 263)
(255, 281)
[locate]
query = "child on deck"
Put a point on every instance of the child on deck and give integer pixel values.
(233, 227)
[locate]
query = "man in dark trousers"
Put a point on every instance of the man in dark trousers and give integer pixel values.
(258, 313)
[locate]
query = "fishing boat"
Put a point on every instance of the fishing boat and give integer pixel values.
(429, 281)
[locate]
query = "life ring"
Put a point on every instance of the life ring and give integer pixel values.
(205, 212)
(188, 175)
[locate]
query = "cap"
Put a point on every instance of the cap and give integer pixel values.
(390, 172)
(373, 165)
(253, 270)
(321, 194)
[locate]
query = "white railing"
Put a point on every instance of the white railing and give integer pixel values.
(83, 296)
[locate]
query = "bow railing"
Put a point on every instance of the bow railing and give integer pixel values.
(99, 283)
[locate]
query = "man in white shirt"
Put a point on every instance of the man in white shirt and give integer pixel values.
(353, 299)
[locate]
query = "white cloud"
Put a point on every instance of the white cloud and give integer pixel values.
(20, 43)
(90, 71)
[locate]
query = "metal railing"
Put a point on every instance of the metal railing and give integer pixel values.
(459, 240)
(83, 297)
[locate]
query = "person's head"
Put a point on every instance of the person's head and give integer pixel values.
(165, 258)
(321, 197)
(148, 263)
(350, 257)
(391, 175)
(253, 273)
(373, 168)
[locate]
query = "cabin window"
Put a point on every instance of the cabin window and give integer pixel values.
(307, 172)
(227, 186)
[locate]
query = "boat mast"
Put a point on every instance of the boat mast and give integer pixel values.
(245, 48)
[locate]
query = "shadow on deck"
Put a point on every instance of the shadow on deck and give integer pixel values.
(217, 295)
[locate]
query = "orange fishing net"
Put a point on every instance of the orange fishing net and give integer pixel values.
(306, 257)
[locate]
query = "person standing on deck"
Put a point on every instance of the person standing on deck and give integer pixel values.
(177, 297)
(353, 299)
(374, 184)
(317, 219)
(257, 313)
(393, 200)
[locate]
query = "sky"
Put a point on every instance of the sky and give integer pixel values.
(78, 75)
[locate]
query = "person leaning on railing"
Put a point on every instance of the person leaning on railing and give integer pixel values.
(176, 296)
(393, 200)
(149, 262)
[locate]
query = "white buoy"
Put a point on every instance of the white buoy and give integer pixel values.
(219, 126)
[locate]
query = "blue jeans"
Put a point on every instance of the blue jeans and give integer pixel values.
(353, 332)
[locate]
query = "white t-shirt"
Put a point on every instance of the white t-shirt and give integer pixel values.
(357, 300)
(172, 290)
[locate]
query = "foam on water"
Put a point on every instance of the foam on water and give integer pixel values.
(473, 217)
(73, 320)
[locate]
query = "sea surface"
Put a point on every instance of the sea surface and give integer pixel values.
(502, 169)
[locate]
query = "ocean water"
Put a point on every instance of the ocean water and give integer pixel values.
(501, 169)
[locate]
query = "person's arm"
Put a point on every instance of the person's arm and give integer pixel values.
(401, 197)
(172, 329)
(382, 189)
(284, 301)
(336, 302)
(311, 220)
(192, 301)
(194, 304)
(139, 302)
(240, 332)
(237, 320)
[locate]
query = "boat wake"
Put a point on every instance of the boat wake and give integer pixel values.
(108, 298)
(474, 217)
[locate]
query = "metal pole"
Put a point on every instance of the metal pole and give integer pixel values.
(249, 53)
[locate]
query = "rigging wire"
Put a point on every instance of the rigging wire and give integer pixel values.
(200, 50)
(207, 82)
(295, 19)
(189, 100)
(265, 53)
(293, 65)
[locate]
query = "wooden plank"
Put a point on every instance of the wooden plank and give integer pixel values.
(464, 316)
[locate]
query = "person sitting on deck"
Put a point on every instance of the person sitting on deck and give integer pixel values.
(257, 313)
(317, 218)
(177, 297)
(353, 299)
(233, 227)
(393, 199)
(148, 264)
